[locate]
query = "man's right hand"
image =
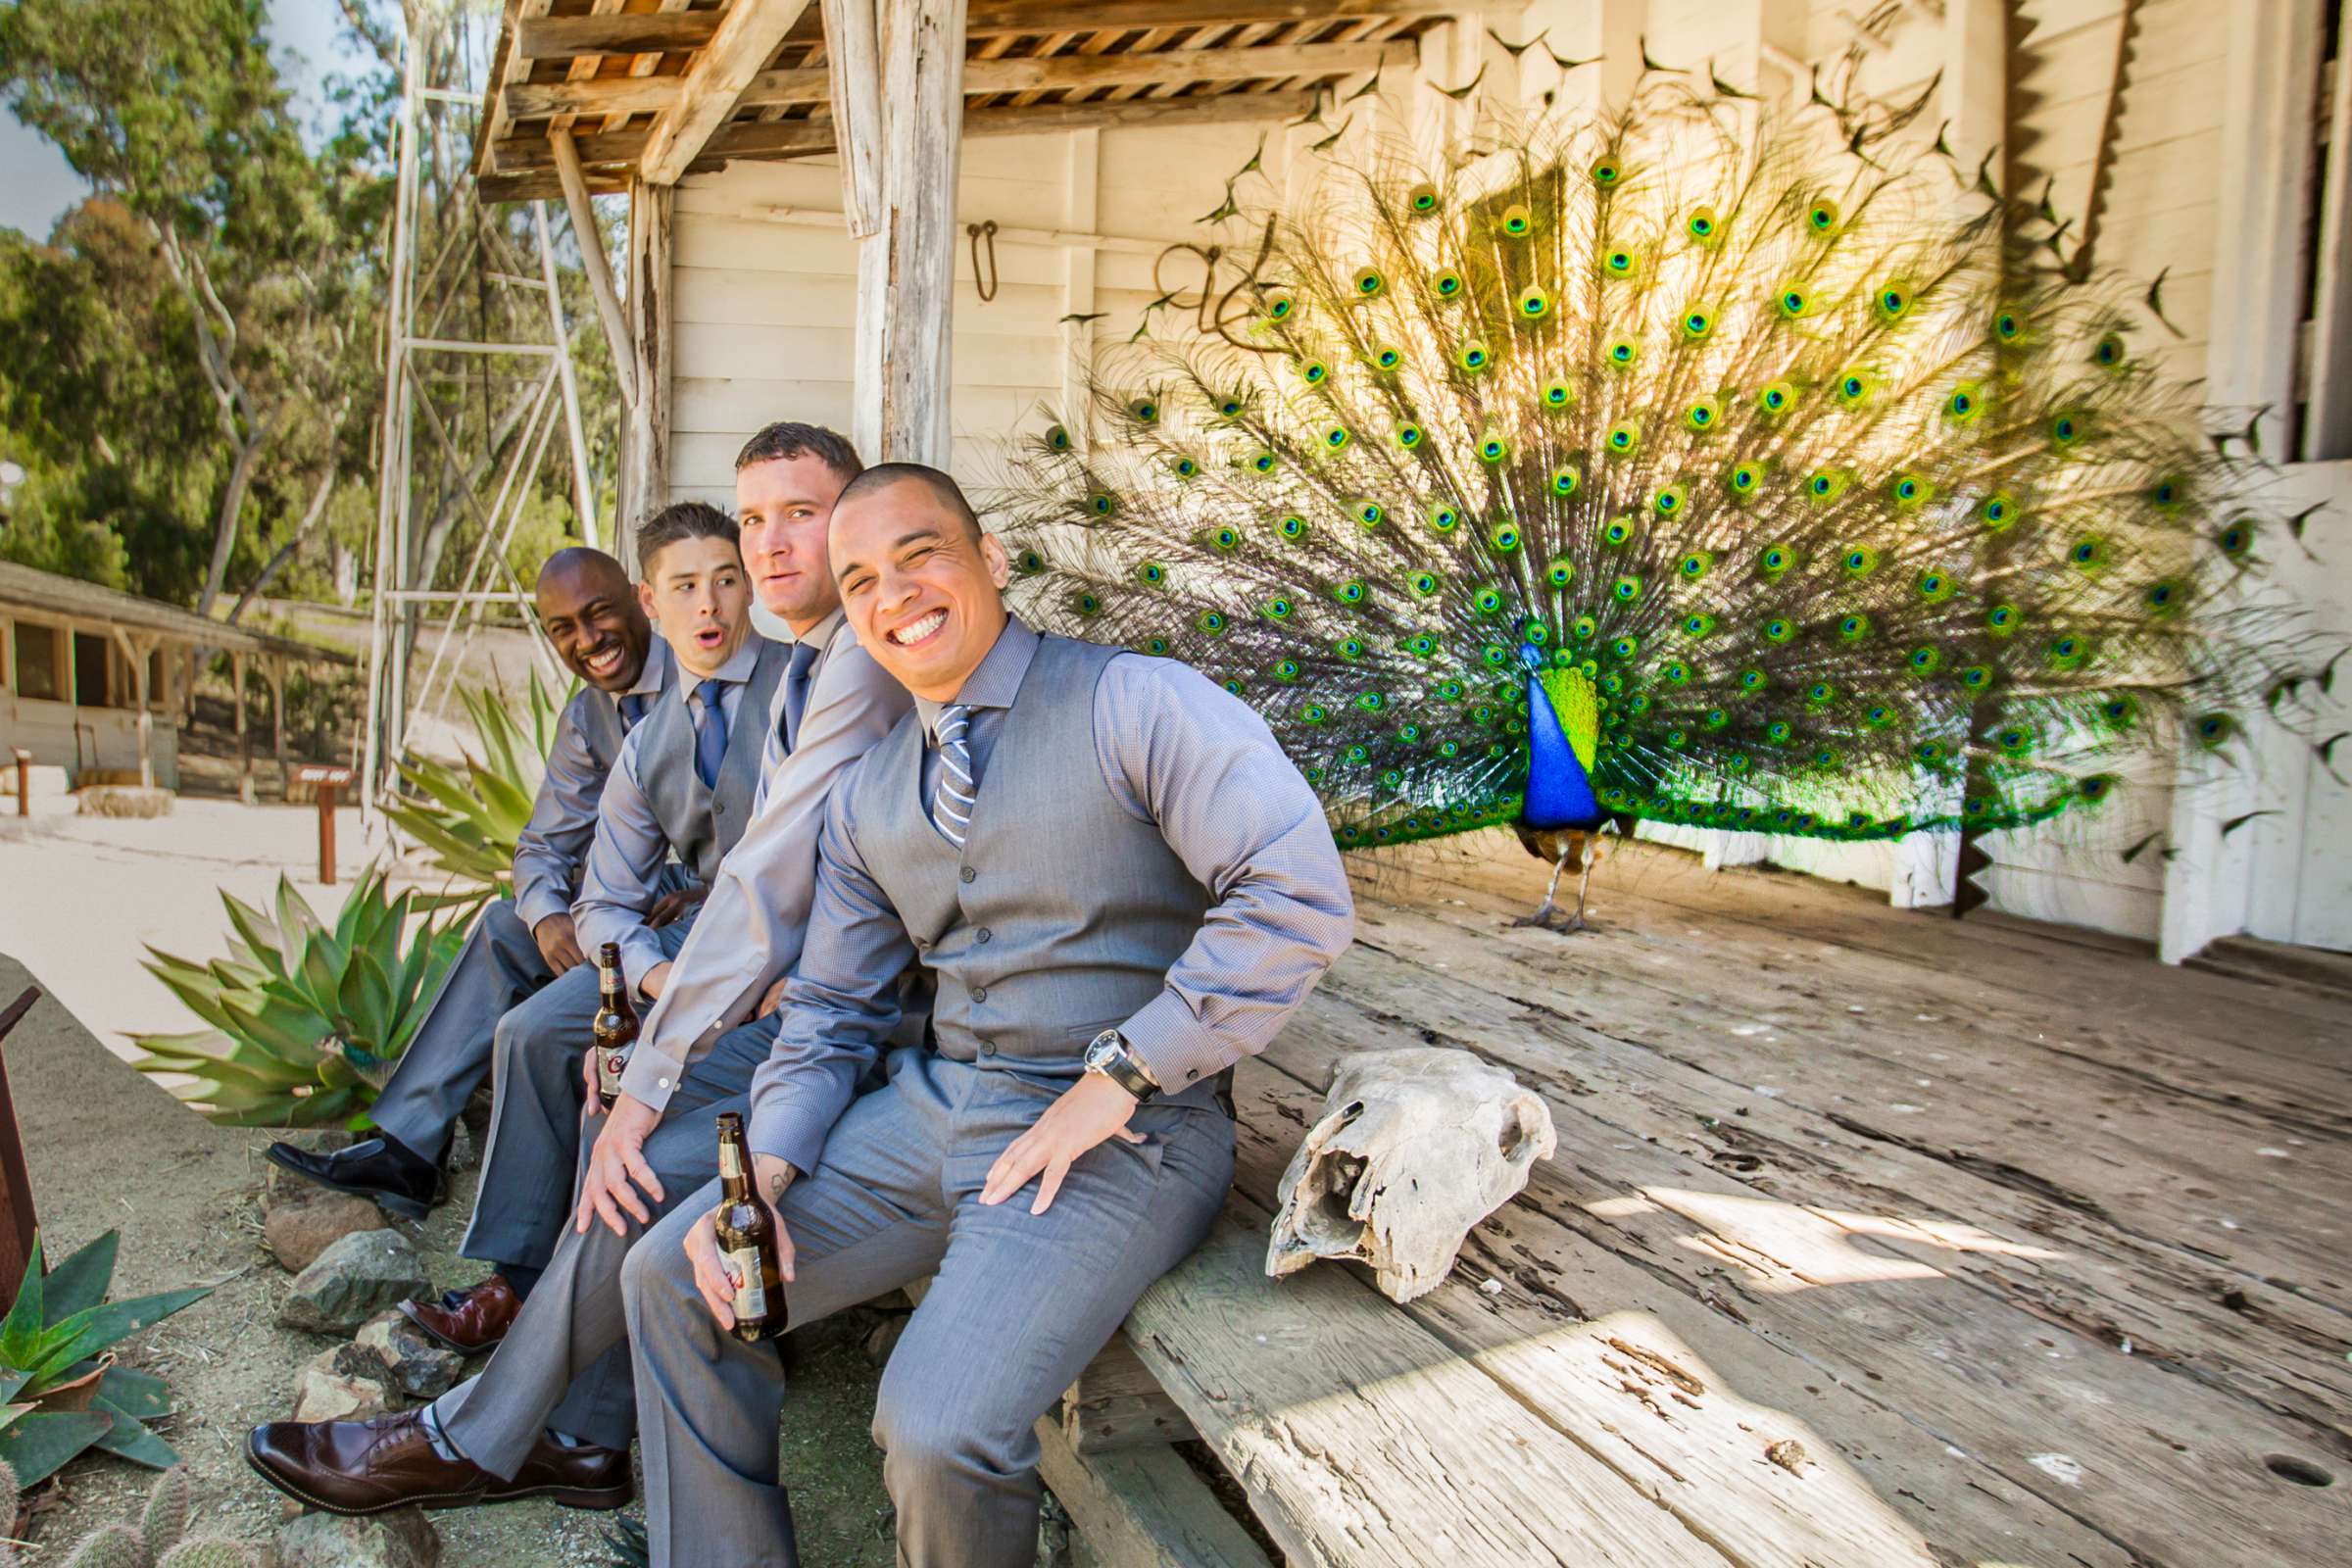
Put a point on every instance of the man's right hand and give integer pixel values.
(559, 943)
(770, 1176)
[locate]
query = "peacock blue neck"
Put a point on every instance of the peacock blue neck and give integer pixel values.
(1563, 733)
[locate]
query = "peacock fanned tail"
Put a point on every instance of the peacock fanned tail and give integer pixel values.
(1660, 467)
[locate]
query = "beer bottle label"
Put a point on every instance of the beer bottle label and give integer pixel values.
(608, 1065)
(751, 1292)
(730, 1161)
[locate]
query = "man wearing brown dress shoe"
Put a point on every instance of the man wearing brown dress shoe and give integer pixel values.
(471, 1320)
(352, 1467)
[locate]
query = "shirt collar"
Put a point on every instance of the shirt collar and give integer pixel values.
(821, 634)
(656, 672)
(739, 667)
(996, 683)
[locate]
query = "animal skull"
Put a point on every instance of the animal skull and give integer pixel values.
(1416, 1146)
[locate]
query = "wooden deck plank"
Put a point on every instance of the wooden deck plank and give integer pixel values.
(2148, 1160)
(1344, 1423)
(2246, 1335)
(2141, 1043)
(1841, 1251)
(1684, 1403)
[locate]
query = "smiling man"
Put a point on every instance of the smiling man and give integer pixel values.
(590, 612)
(553, 1411)
(1120, 887)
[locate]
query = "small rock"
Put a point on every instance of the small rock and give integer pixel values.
(299, 1226)
(1790, 1454)
(348, 1383)
(403, 1539)
(353, 1280)
(422, 1366)
(464, 1152)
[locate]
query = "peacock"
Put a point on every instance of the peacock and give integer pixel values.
(1681, 464)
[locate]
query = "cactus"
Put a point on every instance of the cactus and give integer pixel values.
(115, 1545)
(164, 1519)
(154, 1541)
(210, 1553)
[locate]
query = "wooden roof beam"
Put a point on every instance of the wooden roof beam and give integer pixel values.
(528, 171)
(747, 39)
(651, 95)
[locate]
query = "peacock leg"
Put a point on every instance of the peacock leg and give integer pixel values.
(1543, 915)
(1584, 885)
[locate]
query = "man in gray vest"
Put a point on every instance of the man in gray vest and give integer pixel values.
(682, 787)
(590, 612)
(1121, 886)
(553, 1410)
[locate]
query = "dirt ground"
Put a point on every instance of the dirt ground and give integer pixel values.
(108, 1149)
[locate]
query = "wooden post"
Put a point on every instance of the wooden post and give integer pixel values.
(236, 681)
(136, 651)
(273, 669)
(328, 780)
(906, 268)
(18, 1221)
(645, 428)
(853, 54)
(23, 781)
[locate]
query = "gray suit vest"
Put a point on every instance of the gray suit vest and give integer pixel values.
(701, 823)
(1062, 914)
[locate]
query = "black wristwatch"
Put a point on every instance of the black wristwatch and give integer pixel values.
(1109, 1054)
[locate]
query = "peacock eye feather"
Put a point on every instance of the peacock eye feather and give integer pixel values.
(1930, 751)
(1350, 592)
(1422, 198)
(1517, 221)
(1230, 407)
(1793, 301)
(1558, 395)
(1775, 399)
(1085, 603)
(1779, 630)
(1336, 437)
(1625, 589)
(1279, 609)
(1585, 628)
(2008, 324)
(1855, 388)
(1697, 323)
(1494, 449)
(1854, 628)
(1029, 562)
(1533, 303)
(1670, 501)
(1152, 575)
(2164, 597)
(1474, 357)
(1893, 301)
(1446, 283)
(1145, 410)
(1775, 559)
(1101, 504)
(1744, 479)
(1263, 461)
(1695, 565)
(2170, 493)
(1186, 469)
(1314, 372)
(1715, 718)
(1880, 716)
(2215, 729)
(1622, 351)
(2069, 653)
(1617, 531)
(1488, 601)
(1281, 306)
(2096, 788)
(1977, 677)
(1821, 694)
(1058, 439)
(2014, 740)
(2089, 555)
(2120, 711)
(1965, 404)
(1291, 526)
(1385, 359)
(1753, 681)
(2108, 354)
(1348, 648)
(1564, 482)
(1410, 435)
(1607, 172)
(1624, 436)
(1225, 540)
(1368, 283)
(1998, 512)
(1827, 484)
(1704, 414)
(1618, 263)
(1156, 647)
(1777, 731)
(1910, 492)
(1860, 561)
(1424, 583)
(2067, 429)
(2237, 538)
(1503, 539)
(1925, 661)
(1444, 518)
(1285, 670)
(1822, 218)
(1371, 513)
(2002, 621)
(1699, 627)
(1936, 586)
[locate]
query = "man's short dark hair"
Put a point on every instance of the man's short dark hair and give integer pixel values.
(943, 487)
(686, 519)
(788, 438)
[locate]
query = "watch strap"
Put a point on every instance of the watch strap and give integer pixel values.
(1119, 1066)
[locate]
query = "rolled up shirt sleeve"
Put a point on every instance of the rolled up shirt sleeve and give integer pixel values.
(751, 927)
(619, 883)
(553, 846)
(839, 1006)
(1181, 752)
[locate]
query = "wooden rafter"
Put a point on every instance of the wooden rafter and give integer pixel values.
(532, 175)
(712, 87)
(654, 95)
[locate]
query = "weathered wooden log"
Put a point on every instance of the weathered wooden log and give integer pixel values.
(1414, 1147)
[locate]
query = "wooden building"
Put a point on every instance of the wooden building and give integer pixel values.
(1872, 1238)
(90, 677)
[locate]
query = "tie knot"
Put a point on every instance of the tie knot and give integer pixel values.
(954, 720)
(709, 691)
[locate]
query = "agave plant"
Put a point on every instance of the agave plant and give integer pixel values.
(470, 817)
(306, 1020)
(60, 1393)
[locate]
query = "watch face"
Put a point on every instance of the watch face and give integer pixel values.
(1101, 1048)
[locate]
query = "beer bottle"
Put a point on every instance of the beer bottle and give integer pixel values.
(616, 1027)
(746, 1239)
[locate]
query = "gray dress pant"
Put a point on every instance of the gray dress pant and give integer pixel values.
(498, 968)
(531, 1160)
(565, 1364)
(1019, 1304)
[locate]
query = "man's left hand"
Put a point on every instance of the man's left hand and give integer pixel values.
(1089, 1111)
(617, 1160)
(670, 906)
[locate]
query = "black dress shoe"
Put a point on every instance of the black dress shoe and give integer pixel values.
(388, 1172)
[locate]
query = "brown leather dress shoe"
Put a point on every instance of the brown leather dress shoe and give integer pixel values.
(363, 1467)
(574, 1478)
(468, 1321)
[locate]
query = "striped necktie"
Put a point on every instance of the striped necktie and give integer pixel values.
(952, 807)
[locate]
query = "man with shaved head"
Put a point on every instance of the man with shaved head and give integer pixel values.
(589, 609)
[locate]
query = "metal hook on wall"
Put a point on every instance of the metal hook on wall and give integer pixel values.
(988, 279)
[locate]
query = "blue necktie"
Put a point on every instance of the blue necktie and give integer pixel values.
(795, 692)
(632, 708)
(951, 805)
(710, 733)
